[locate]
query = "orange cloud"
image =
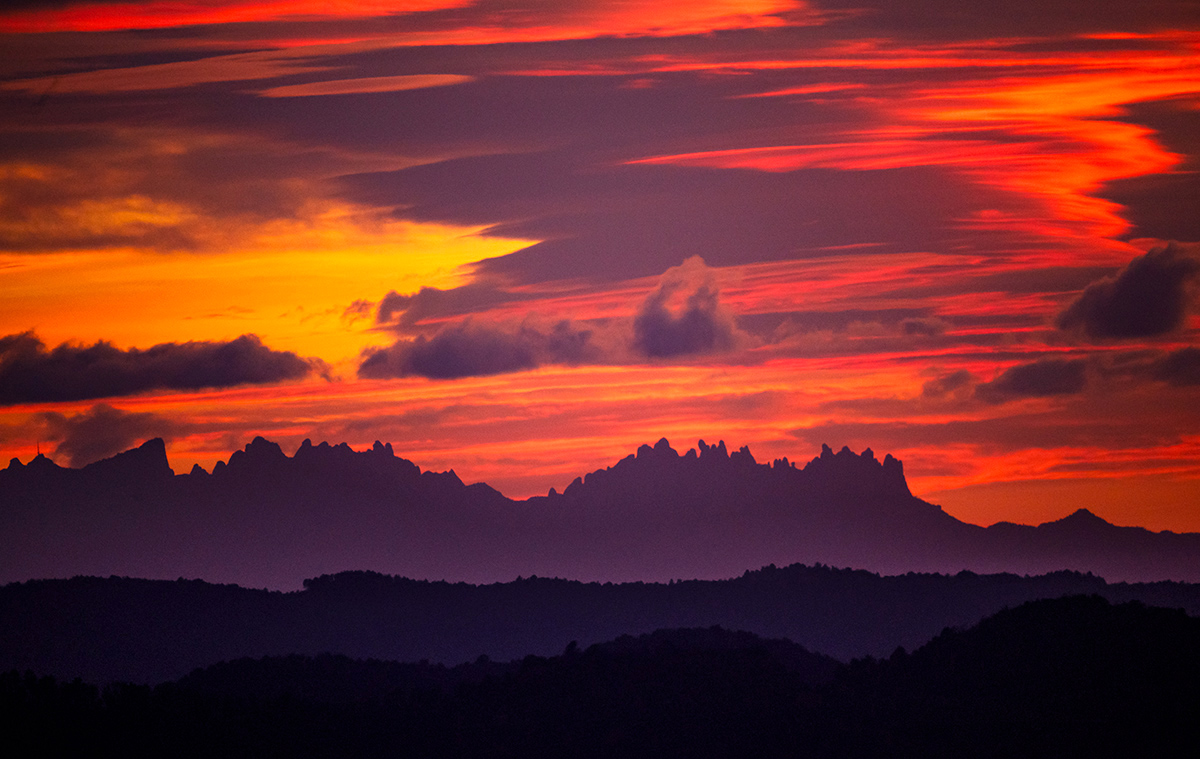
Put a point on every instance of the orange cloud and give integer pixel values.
(138, 262)
(100, 16)
(290, 281)
(1046, 134)
(368, 84)
(168, 76)
(476, 23)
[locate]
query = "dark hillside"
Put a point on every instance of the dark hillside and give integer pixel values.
(150, 631)
(1070, 677)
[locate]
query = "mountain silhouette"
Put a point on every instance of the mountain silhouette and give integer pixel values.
(266, 519)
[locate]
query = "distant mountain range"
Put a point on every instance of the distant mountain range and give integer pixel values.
(265, 519)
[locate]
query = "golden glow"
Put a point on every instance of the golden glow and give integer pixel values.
(291, 283)
(94, 254)
(98, 218)
(1153, 502)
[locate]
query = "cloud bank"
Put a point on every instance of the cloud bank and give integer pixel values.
(469, 349)
(699, 325)
(1180, 368)
(1039, 379)
(31, 373)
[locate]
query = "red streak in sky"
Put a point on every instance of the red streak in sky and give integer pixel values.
(107, 17)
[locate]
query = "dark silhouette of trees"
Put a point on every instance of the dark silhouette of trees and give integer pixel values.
(1068, 677)
(147, 631)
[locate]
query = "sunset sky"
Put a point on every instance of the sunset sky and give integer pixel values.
(518, 238)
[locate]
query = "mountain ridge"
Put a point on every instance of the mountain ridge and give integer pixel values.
(264, 517)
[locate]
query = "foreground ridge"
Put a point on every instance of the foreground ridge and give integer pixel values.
(1069, 676)
(106, 629)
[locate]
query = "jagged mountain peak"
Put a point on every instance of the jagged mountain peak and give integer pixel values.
(148, 460)
(261, 455)
(712, 473)
(259, 450)
(654, 514)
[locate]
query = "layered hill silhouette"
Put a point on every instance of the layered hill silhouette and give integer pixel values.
(1075, 676)
(266, 519)
(150, 631)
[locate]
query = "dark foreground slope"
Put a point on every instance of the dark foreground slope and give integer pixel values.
(1072, 677)
(266, 519)
(151, 631)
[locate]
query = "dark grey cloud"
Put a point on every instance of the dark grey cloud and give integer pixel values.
(628, 221)
(559, 174)
(1180, 368)
(1149, 297)
(21, 5)
(947, 384)
(469, 349)
(661, 329)
(31, 373)
(405, 311)
(1039, 379)
(924, 327)
(100, 432)
(1163, 206)
(976, 19)
(701, 325)
(1157, 205)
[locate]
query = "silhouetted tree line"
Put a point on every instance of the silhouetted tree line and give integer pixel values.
(150, 631)
(1067, 677)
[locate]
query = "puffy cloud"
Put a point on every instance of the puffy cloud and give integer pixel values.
(469, 349)
(700, 326)
(100, 432)
(30, 373)
(1039, 379)
(1149, 297)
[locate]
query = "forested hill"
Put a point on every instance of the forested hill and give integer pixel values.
(105, 629)
(1072, 677)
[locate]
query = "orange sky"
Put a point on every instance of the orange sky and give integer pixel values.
(520, 239)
